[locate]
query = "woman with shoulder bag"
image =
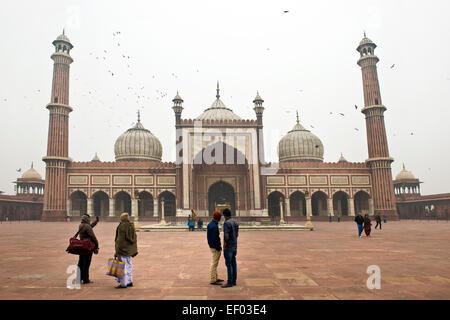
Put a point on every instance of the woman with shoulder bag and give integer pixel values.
(84, 261)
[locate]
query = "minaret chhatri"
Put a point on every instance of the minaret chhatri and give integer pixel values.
(379, 160)
(57, 159)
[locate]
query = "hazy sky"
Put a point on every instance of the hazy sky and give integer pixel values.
(247, 46)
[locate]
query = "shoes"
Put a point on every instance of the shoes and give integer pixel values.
(234, 284)
(227, 285)
(217, 283)
(220, 280)
(130, 284)
(87, 282)
(120, 287)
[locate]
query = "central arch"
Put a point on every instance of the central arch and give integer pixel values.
(221, 192)
(123, 203)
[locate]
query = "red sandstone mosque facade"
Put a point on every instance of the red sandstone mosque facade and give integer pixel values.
(220, 160)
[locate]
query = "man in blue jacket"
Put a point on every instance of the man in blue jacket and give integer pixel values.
(213, 235)
(230, 235)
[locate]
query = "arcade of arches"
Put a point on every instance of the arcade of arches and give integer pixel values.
(320, 204)
(100, 204)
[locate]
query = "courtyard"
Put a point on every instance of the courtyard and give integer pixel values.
(328, 263)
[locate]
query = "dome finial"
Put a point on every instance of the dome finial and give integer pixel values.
(218, 90)
(404, 166)
(365, 34)
(64, 31)
(31, 164)
(139, 115)
(298, 121)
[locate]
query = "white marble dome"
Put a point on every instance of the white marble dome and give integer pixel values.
(138, 143)
(300, 144)
(218, 111)
(405, 175)
(31, 174)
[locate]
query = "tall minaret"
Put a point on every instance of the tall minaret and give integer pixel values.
(57, 159)
(379, 160)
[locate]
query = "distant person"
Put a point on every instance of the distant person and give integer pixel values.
(378, 220)
(190, 223)
(330, 217)
(367, 225)
(213, 236)
(194, 217)
(126, 248)
(339, 218)
(384, 218)
(230, 235)
(359, 221)
(200, 224)
(84, 261)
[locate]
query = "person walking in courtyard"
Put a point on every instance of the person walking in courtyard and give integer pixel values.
(367, 225)
(213, 236)
(230, 235)
(84, 261)
(126, 249)
(378, 220)
(359, 221)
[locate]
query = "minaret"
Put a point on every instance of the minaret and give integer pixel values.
(57, 159)
(177, 108)
(259, 109)
(379, 160)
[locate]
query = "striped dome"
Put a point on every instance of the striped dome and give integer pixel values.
(138, 143)
(300, 144)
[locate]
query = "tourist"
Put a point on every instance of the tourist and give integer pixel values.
(213, 236)
(330, 216)
(126, 248)
(359, 221)
(367, 225)
(194, 218)
(230, 235)
(378, 220)
(384, 218)
(85, 231)
(200, 224)
(190, 223)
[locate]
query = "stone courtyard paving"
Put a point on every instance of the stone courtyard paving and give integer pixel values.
(328, 263)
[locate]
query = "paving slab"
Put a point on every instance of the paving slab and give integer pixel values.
(329, 263)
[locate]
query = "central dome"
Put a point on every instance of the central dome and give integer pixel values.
(300, 144)
(138, 143)
(218, 111)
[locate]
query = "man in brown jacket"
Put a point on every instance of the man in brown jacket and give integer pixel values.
(84, 261)
(126, 248)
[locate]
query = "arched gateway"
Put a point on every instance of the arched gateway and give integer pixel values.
(221, 193)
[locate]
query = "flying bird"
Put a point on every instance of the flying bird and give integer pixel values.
(341, 114)
(286, 11)
(393, 66)
(356, 129)
(356, 107)
(312, 127)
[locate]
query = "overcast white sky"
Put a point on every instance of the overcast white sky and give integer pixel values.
(247, 46)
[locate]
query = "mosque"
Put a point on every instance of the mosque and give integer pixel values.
(220, 161)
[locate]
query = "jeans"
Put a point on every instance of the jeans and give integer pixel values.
(230, 261)
(84, 262)
(360, 229)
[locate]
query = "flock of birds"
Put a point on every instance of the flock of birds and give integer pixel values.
(137, 92)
